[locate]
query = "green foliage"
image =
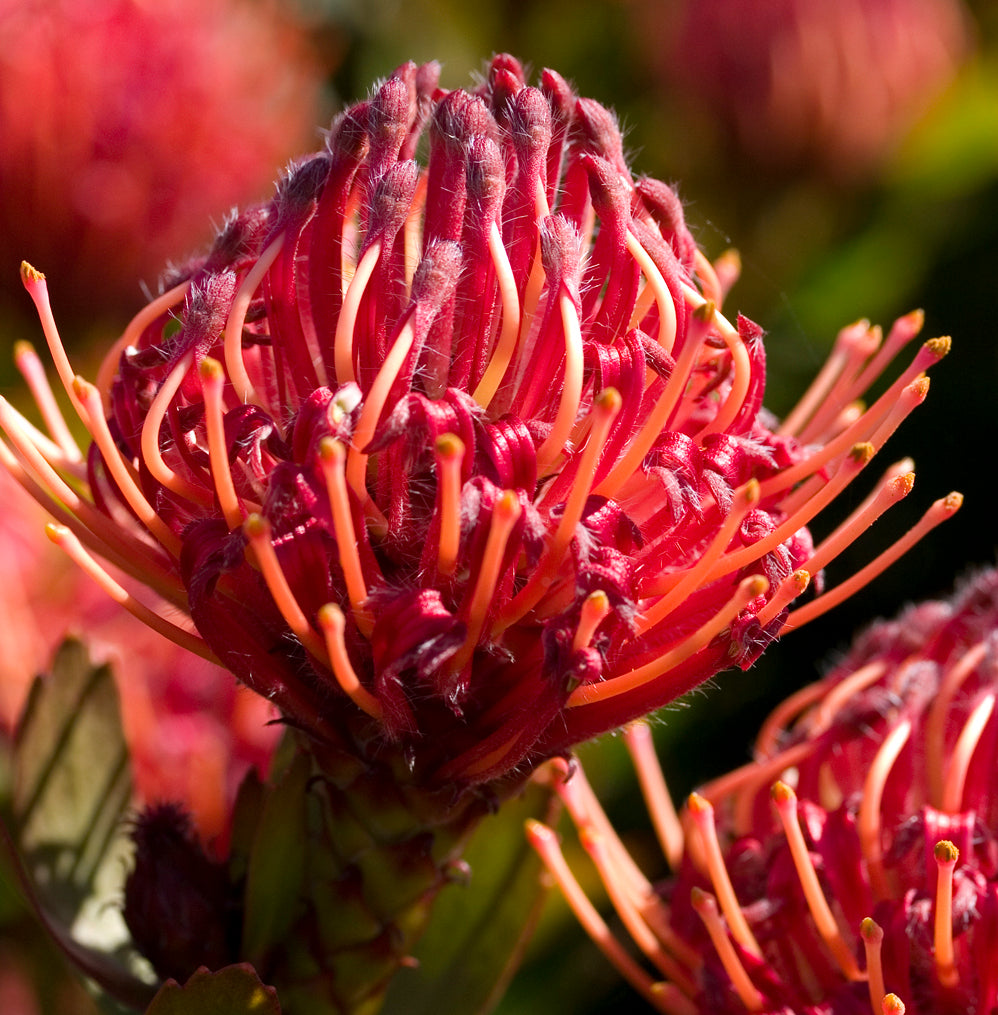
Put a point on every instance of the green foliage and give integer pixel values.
(235, 990)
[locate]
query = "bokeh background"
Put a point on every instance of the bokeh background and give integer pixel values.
(849, 151)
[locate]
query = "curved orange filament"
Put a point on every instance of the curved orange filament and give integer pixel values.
(93, 412)
(502, 354)
(868, 819)
(68, 542)
(543, 840)
(939, 512)
(149, 441)
(257, 530)
(786, 806)
(662, 295)
(449, 453)
(744, 499)
(212, 382)
(748, 589)
(795, 584)
(963, 753)
(641, 747)
(706, 907)
(333, 624)
(30, 366)
(347, 321)
(133, 332)
(571, 390)
(873, 935)
(233, 335)
(946, 856)
(741, 376)
(332, 457)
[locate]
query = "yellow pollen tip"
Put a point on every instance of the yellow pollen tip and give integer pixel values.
(871, 930)
(331, 450)
(945, 852)
(30, 275)
(782, 794)
(862, 453)
(698, 804)
(705, 311)
(211, 370)
(449, 446)
(608, 400)
(756, 585)
(752, 492)
(892, 1005)
(56, 533)
(939, 347)
(952, 502)
(256, 527)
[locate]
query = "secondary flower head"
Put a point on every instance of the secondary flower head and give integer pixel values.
(449, 446)
(876, 871)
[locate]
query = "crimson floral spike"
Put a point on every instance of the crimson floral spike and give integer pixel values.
(467, 448)
(871, 883)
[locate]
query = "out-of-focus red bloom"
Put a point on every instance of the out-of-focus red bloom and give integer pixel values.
(877, 872)
(831, 84)
(462, 456)
(125, 126)
(192, 732)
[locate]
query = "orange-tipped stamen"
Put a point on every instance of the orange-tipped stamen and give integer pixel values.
(935, 724)
(728, 269)
(886, 494)
(946, 856)
(92, 410)
(963, 752)
(133, 332)
(873, 935)
(744, 499)
(502, 354)
(571, 389)
(748, 589)
(795, 584)
(868, 819)
(505, 514)
(212, 383)
(544, 840)
(149, 441)
(706, 906)
(449, 452)
(30, 365)
(257, 530)
(233, 336)
(67, 541)
(333, 624)
(939, 512)
(347, 322)
(710, 287)
(602, 857)
(370, 413)
(786, 806)
(332, 457)
(37, 287)
(641, 747)
(660, 291)
(606, 405)
(892, 1005)
(595, 608)
(664, 406)
(857, 459)
(702, 812)
(819, 388)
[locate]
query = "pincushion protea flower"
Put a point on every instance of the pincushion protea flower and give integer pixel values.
(875, 872)
(458, 463)
(469, 444)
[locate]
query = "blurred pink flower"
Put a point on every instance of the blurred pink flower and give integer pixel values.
(875, 871)
(125, 125)
(831, 84)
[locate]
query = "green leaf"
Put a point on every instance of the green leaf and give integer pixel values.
(234, 990)
(479, 929)
(66, 828)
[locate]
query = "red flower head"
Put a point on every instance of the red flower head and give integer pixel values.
(462, 455)
(877, 872)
